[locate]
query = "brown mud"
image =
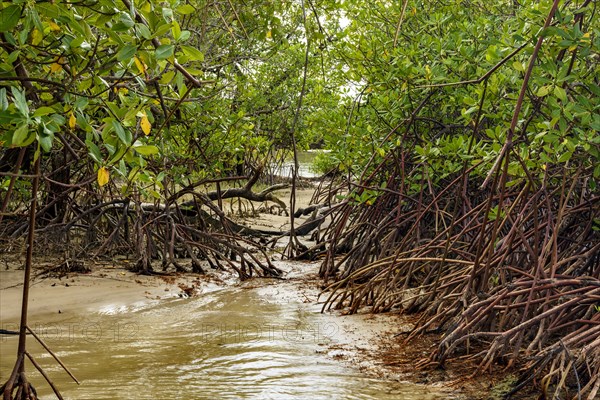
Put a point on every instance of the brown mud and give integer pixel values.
(372, 343)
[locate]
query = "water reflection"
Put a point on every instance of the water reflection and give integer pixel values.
(230, 344)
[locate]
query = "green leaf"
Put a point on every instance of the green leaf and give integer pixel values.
(12, 57)
(7, 117)
(123, 134)
(126, 20)
(48, 10)
(543, 91)
(9, 17)
(3, 100)
(146, 150)
(115, 36)
(560, 93)
(185, 35)
(116, 153)
(164, 51)
(185, 9)
(161, 30)
(94, 151)
(167, 13)
(193, 53)
(33, 15)
(46, 140)
(20, 101)
(36, 154)
(176, 29)
(22, 136)
(143, 31)
(43, 111)
(167, 77)
(127, 52)
(565, 157)
(519, 66)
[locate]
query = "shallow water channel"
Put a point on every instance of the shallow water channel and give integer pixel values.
(251, 341)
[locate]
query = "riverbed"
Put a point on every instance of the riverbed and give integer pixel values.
(261, 339)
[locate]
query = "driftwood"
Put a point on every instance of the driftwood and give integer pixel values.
(308, 210)
(308, 226)
(244, 192)
(191, 209)
(247, 193)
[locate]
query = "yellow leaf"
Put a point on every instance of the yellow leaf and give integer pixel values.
(103, 176)
(72, 121)
(36, 37)
(269, 34)
(55, 67)
(141, 66)
(54, 26)
(145, 125)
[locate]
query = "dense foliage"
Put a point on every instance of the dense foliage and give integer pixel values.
(144, 101)
(464, 135)
(475, 153)
(198, 85)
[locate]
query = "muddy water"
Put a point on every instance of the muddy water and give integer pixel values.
(245, 342)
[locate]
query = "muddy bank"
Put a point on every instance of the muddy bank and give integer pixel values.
(264, 338)
(370, 344)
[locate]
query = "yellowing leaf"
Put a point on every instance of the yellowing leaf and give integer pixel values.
(103, 176)
(54, 26)
(55, 67)
(72, 121)
(141, 66)
(269, 34)
(145, 125)
(36, 37)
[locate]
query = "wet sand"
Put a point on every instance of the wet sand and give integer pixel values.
(111, 282)
(111, 288)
